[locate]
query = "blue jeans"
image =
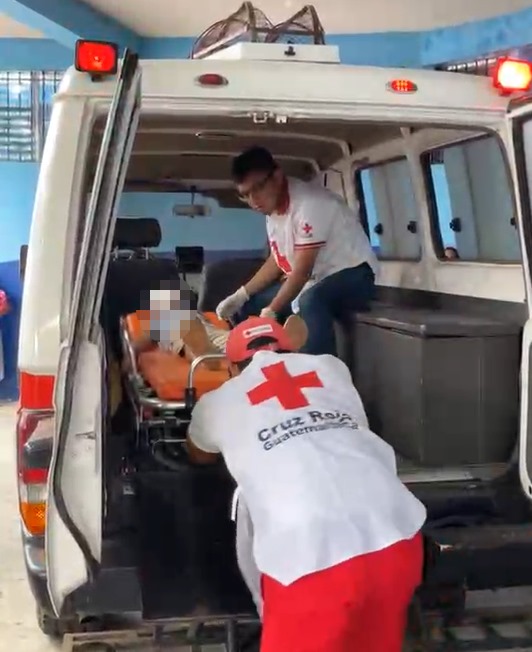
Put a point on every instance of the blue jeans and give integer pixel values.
(349, 290)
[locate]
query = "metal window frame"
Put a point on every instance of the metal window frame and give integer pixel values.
(24, 142)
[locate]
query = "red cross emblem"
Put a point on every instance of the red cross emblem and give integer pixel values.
(307, 229)
(285, 388)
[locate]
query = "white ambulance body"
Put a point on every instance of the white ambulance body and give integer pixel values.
(181, 121)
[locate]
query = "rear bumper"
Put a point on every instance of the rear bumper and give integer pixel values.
(115, 591)
(481, 557)
(34, 559)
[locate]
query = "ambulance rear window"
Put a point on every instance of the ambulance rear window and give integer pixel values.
(390, 210)
(472, 203)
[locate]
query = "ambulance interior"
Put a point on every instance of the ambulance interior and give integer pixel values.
(436, 359)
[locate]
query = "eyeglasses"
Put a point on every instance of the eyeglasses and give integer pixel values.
(256, 188)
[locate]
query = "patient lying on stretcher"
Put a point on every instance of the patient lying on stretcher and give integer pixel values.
(169, 336)
(173, 324)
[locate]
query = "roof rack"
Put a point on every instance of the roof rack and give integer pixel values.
(481, 67)
(304, 24)
(250, 24)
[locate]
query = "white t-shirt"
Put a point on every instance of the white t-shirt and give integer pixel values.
(316, 217)
(321, 488)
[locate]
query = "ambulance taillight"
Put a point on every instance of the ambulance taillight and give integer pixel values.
(34, 444)
(97, 58)
(512, 75)
(211, 79)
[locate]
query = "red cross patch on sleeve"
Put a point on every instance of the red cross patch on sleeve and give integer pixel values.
(306, 230)
(308, 236)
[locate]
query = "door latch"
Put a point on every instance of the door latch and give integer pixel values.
(262, 117)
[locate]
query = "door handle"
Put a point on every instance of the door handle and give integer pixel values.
(378, 229)
(412, 226)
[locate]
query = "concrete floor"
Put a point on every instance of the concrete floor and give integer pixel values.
(18, 628)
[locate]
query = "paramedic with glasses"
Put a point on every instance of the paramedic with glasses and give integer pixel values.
(321, 264)
(335, 550)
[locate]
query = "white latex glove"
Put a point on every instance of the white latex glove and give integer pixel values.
(268, 313)
(232, 303)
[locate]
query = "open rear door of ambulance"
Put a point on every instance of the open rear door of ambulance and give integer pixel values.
(520, 136)
(75, 487)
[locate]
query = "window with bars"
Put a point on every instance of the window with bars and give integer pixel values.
(25, 107)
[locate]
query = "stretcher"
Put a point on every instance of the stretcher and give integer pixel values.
(166, 382)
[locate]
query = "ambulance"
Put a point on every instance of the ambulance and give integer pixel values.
(115, 521)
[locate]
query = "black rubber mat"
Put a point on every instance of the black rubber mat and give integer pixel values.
(187, 545)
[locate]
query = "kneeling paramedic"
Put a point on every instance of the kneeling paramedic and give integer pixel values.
(335, 534)
(321, 264)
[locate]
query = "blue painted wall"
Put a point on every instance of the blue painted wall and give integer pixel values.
(17, 191)
(64, 21)
(415, 49)
(16, 199)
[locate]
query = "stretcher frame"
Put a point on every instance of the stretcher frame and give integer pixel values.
(141, 392)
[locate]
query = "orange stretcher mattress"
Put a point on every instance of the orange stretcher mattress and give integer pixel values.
(167, 373)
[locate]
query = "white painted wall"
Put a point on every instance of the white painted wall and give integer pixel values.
(181, 18)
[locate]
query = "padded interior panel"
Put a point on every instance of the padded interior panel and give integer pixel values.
(224, 277)
(190, 260)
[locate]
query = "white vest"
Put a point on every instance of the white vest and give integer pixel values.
(320, 487)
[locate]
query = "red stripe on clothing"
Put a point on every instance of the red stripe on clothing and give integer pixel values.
(309, 245)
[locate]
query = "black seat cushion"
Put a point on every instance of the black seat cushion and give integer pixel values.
(224, 277)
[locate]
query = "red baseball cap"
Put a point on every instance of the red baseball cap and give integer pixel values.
(241, 336)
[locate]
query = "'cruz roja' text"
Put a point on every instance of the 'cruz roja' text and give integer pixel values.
(313, 421)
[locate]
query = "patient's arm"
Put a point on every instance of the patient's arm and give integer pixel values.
(144, 343)
(198, 456)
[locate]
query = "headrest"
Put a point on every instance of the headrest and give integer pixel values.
(135, 233)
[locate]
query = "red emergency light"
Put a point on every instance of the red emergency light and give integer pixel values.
(512, 75)
(96, 57)
(402, 86)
